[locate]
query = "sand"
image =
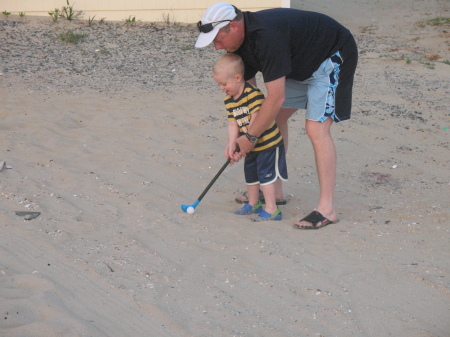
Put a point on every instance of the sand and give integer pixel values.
(107, 138)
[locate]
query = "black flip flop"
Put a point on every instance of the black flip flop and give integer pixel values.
(317, 221)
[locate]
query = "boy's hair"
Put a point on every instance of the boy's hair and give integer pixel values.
(231, 63)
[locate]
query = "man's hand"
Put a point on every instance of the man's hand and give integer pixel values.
(245, 145)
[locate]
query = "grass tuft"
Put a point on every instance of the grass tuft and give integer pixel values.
(71, 37)
(439, 21)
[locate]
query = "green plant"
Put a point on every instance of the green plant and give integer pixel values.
(5, 13)
(396, 58)
(186, 47)
(446, 62)
(131, 21)
(91, 20)
(429, 65)
(55, 14)
(71, 37)
(439, 21)
(21, 14)
(67, 11)
(102, 20)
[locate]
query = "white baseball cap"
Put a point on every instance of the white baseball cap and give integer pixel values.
(216, 16)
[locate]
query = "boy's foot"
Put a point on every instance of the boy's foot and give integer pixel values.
(249, 209)
(264, 216)
(242, 199)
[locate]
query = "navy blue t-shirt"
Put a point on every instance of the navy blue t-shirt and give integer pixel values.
(289, 42)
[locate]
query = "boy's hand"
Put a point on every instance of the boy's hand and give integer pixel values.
(229, 153)
(232, 153)
(236, 157)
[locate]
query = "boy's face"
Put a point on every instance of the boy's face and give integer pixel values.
(230, 84)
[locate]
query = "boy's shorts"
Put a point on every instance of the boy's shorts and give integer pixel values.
(328, 92)
(266, 166)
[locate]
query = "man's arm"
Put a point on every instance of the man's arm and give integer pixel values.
(252, 81)
(266, 114)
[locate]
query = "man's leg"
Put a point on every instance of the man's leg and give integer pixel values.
(325, 156)
(282, 123)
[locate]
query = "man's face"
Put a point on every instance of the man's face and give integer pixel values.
(227, 40)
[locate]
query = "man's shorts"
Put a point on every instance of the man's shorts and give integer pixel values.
(266, 166)
(328, 92)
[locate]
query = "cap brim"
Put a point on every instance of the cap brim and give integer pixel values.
(205, 39)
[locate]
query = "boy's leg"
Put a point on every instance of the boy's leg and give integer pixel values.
(269, 196)
(253, 205)
(272, 170)
(253, 194)
(251, 179)
(279, 196)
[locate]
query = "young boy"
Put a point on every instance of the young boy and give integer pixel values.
(267, 161)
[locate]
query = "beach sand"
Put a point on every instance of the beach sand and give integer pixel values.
(108, 137)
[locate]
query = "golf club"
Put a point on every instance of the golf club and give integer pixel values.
(185, 207)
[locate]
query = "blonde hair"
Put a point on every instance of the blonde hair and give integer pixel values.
(231, 63)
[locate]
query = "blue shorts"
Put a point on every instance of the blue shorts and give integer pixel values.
(328, 92)
(266, 166)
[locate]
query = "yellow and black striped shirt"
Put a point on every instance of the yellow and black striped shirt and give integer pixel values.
(241, 111)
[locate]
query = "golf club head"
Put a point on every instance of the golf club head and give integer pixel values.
(185, 207)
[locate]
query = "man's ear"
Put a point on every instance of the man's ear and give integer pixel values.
(234, 26)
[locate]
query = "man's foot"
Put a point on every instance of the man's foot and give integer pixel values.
(314, 220)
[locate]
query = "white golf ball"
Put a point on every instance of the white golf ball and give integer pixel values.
(190, 210)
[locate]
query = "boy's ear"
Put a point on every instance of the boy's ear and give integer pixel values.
(239, 77)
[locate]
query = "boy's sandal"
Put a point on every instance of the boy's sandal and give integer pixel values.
(242, 199)
(249, 209)
(316, 220)
(264, 216)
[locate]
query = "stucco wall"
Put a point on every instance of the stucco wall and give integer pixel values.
(183, 11)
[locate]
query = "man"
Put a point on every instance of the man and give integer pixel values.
(308, 61)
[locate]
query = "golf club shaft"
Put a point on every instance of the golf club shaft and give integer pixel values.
(213, 180)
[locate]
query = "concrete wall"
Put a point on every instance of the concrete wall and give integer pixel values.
(183, 11)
